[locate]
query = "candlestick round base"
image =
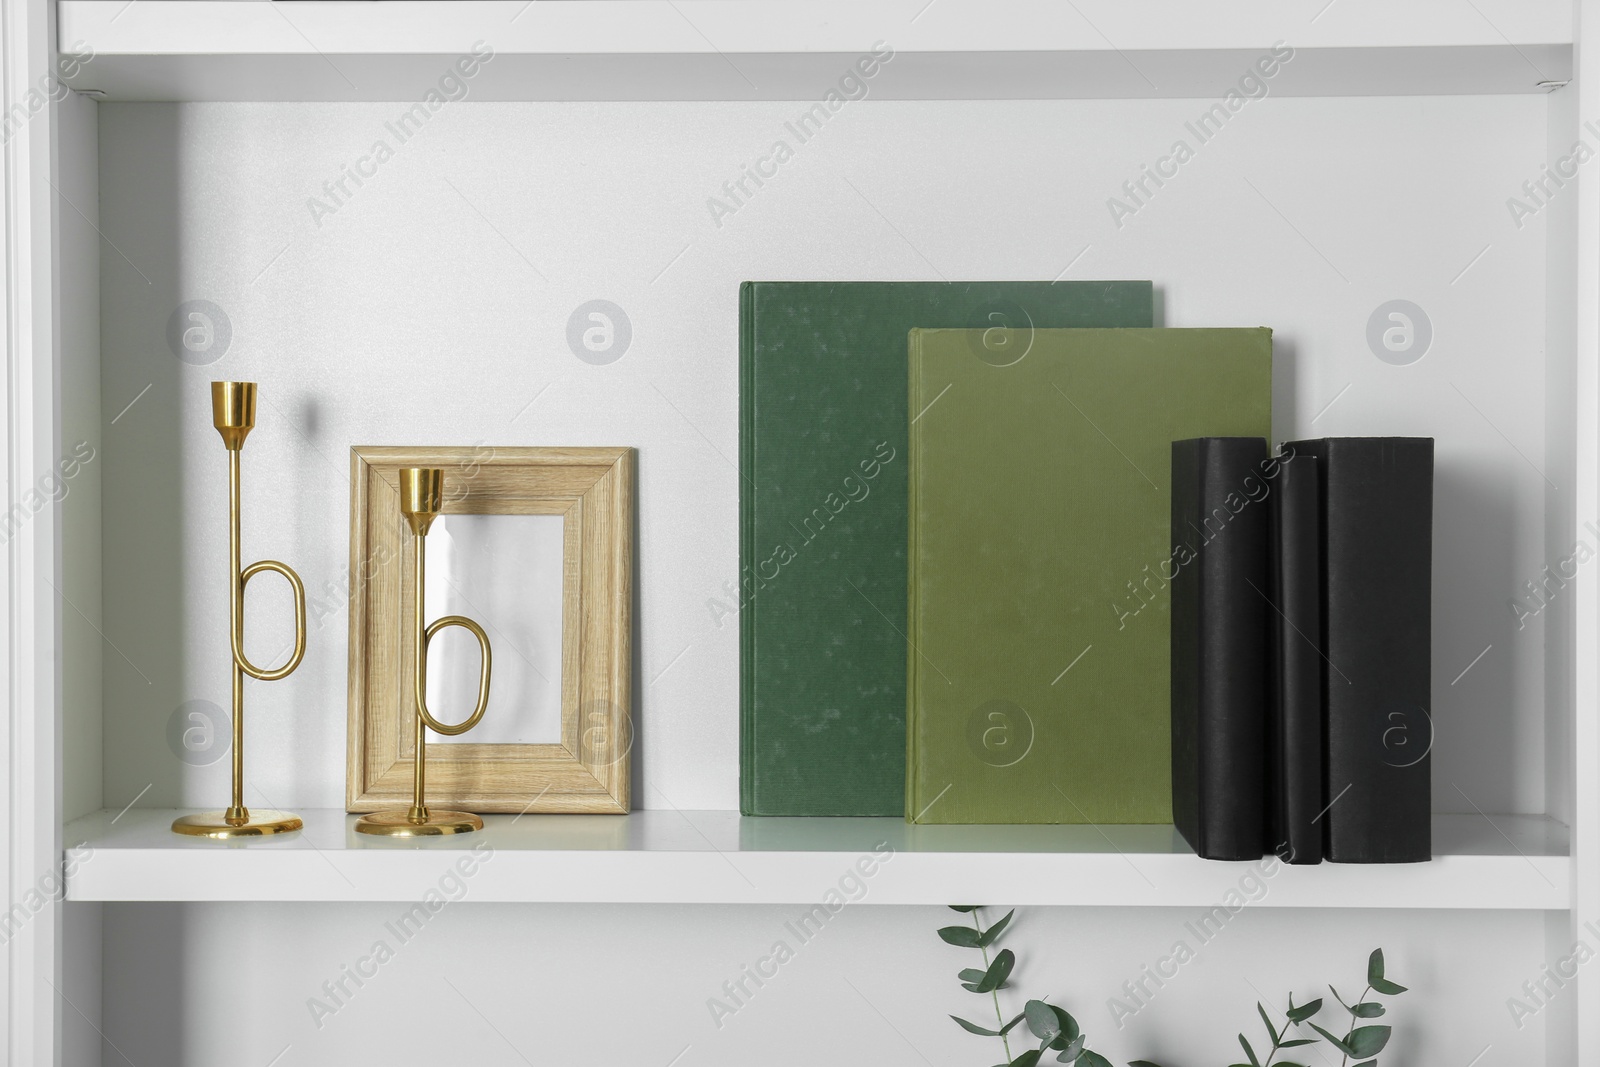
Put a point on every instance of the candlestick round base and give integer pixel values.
(215, 825)
(398, 823)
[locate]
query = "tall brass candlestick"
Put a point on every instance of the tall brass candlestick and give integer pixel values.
(421, 498)
(233, 413)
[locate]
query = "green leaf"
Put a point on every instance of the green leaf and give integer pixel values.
(1304, 1011)
(974, 1028)
(1375, 977)
(1297, 1042)
(971, 974)
(1094, 1059)
(1250, 1052)
(960, 936)
(989, 935)
(1367, 1041)
(1337, 1043)
(1273, 1030)
(1006, 1029)
(1027, 1059)
(1143, 1063)
(1042, 1020)
(964, 908)
(994, 978)
(1069, 1028)
(1366, 1009)
(1073, 1050)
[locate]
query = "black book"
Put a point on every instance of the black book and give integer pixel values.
(1219, 640)
(1294, 699)
(1377, 588)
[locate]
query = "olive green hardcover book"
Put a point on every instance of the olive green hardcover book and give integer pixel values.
(821, 595)
(1039, 563)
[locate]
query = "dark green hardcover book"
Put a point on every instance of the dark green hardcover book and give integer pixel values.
(822, 516)
(1040, 564)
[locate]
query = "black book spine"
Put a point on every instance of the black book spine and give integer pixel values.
(1294, 712)
(1219, 637)
(1377, 587)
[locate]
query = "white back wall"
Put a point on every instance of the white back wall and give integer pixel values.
(431, 305)
(520, 984)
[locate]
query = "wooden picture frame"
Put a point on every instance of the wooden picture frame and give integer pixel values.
(589, 771)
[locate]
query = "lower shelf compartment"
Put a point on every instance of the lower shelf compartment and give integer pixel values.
(719, 857)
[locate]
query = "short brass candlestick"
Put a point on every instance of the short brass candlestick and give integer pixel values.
(233, 412)
(421, 497)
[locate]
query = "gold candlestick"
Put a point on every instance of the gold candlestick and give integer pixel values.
(233, 413)
(421, 497)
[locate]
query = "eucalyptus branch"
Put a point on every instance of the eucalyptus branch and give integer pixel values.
(1361, 1042)
(1056, 1030)
(1344, 1058)
(999, 1018)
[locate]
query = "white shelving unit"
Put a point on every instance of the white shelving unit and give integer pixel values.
(1388, 144)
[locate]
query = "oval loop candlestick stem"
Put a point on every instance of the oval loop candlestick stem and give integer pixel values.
(421, 500)
(485, 664)
(299, 653)
(233, 413)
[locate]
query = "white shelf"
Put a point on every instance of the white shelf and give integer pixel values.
(717, 857)
(789, 49)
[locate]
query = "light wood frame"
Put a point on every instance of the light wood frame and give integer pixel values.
(589, 770)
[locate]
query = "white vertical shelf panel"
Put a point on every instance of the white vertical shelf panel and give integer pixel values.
(30, 812)
(1585, 755)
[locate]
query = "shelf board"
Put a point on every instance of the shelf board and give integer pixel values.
(798, 49)
(718, 857)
